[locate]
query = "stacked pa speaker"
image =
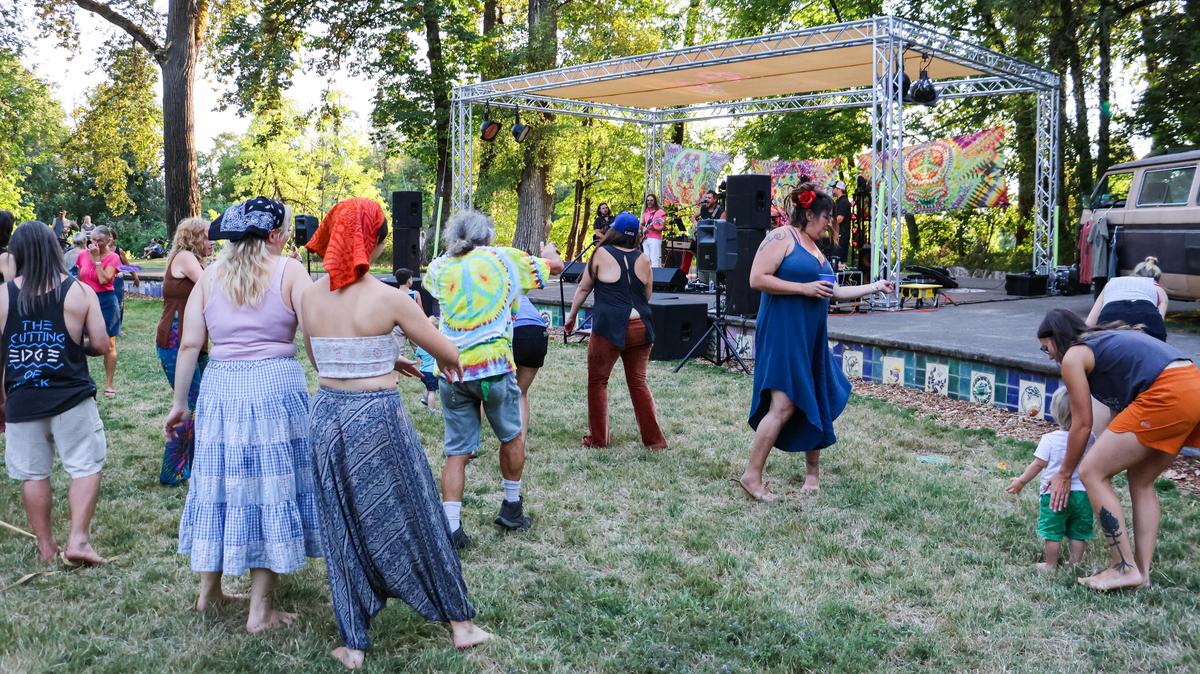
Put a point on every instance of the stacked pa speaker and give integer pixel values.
(406, 230)
(748, 208)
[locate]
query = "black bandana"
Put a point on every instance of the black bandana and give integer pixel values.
(253, 217)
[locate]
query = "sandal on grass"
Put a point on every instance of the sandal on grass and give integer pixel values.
(110, 393)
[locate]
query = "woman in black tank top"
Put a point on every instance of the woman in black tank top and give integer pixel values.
(621, 328)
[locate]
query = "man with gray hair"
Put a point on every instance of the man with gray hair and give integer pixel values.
(477, 285)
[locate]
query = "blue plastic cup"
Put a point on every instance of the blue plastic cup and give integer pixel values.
(829, 278)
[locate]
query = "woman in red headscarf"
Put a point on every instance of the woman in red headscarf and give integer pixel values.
(368, 458)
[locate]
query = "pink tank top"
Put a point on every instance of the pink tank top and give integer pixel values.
(251, 333)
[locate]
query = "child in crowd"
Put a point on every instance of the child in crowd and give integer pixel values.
(425, 362)
(1073, 521)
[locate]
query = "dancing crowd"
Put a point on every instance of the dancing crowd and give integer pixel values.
(276, 476)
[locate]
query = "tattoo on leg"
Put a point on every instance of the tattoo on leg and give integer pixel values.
(1112, 530)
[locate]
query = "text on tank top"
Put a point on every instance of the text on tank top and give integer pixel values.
(251, 333)
(45, 369)
(613, 301)
(1126, 364)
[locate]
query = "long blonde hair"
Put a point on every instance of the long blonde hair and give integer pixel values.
(245, 270)
(190, 235)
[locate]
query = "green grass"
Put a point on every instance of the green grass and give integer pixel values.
(1184, 321)
(638, 562)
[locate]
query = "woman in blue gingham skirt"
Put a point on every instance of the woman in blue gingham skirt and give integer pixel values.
(251, 503)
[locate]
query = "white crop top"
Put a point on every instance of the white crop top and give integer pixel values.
(357, 357)
(1125, 288)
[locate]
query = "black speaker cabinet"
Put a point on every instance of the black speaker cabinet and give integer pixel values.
(406, 249)
(740, 298)
(716, 246)
(573, 271)
(406, 210)
(748, 201)
(306, 226)
(678, 325)
(669, 280)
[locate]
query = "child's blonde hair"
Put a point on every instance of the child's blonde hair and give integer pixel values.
(1060, 408)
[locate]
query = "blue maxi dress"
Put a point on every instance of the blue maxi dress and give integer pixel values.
(791, 353)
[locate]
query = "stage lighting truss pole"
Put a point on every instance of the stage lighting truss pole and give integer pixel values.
(1045, 229)
(656, 151)
(462, 160)
(887, 178)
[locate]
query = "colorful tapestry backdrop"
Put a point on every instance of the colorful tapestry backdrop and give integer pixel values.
(953, 173)
(785, 175)
(688, 172)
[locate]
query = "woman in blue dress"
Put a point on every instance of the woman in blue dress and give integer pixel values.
(798, 388)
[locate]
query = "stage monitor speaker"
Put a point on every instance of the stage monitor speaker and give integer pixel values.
(678, 325)
(669, 280)
(740, 298)
(716, 246)
(406, 210)
(306, 226)
(748, 201)
(573, 272)
(406, 249)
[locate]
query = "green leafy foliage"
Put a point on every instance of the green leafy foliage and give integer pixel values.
(31, 130)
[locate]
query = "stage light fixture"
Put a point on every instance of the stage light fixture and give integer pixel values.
(922, 92)
(490, 128)
(519, 130)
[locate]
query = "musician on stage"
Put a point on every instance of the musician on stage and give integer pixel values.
(711, 208)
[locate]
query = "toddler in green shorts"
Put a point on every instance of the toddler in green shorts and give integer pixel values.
(1074, 521)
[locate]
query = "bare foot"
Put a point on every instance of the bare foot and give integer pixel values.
(1112, 579)
(758, 492)
(349, 657)
(468, 634)
(218, 601)
(82, 553)
(273, 620)
(812, 485)
(48, 551)
(1047, 567)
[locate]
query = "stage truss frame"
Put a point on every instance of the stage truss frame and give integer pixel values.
(889, 38)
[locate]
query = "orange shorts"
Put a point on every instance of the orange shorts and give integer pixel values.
(1165, 416)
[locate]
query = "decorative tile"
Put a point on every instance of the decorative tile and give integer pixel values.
(1033, 399)
(852, 364)
(937, 378)
(983, 387)
(893, 370)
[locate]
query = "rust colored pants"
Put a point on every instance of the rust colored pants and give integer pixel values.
(602, 356)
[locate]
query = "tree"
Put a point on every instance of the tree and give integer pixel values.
(31, 131)
(173, 42)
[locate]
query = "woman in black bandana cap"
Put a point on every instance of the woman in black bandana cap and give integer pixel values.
(250, 503)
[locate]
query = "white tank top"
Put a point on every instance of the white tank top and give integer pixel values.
(1131, 288)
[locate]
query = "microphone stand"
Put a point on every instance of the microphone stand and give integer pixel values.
(562, 297)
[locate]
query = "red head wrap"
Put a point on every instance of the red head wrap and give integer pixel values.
(346, 238)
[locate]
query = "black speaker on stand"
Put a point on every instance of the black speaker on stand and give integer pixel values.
(406, 210)
(406, 230)
(748, 201)
(306, 226)
(743, 300)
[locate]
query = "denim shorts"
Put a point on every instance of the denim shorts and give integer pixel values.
(501, 400)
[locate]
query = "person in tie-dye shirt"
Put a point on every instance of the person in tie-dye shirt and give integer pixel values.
(477, 286)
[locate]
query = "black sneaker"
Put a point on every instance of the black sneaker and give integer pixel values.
(460, 539)
(512, 515)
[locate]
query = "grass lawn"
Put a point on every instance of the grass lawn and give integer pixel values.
(638, 562)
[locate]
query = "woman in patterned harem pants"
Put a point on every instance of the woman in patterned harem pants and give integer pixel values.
(381, 517)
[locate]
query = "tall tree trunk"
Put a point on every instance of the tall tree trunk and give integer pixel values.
(491, 21)
(178, 63)
(689, 39)
(535, 196)
(1104, 87)
(576, 214)
(1024, 112)
(1081, 137)
(914, 235)
(441, 102)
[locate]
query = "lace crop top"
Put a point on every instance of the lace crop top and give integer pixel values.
(357, 357)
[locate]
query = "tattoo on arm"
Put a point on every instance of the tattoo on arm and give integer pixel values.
(1112, 531)
(776, 236)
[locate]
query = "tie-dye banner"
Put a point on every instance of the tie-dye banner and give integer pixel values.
(785, 175)
(688, 172)
(952, 173)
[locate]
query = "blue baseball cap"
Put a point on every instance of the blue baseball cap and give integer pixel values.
(626, 223)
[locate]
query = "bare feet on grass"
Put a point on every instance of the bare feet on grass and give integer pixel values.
(812, 485)
(48, 551)
(82, 553)
(349, 657)
(1112, 579)
(468, 634)
(218, 600)
(1047, 567)
(273, 619)
(757, 490)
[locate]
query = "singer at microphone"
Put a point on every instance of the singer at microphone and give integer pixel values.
(710, 208)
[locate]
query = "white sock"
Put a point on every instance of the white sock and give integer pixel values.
(512, 490)
(453, 511)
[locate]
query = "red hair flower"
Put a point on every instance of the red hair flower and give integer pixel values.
(805, 198)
